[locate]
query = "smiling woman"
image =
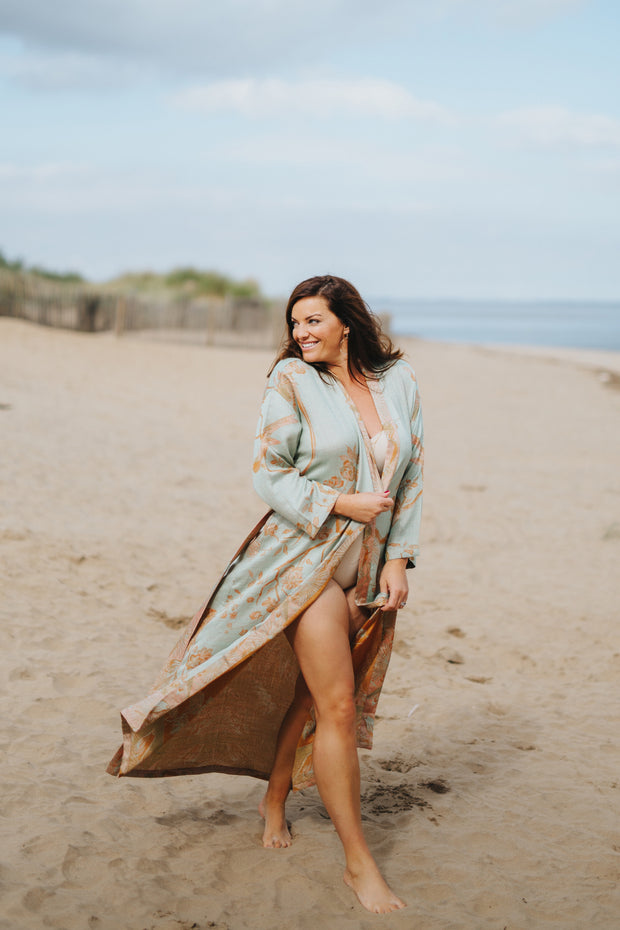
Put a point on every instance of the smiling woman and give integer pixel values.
(328, 310)
(279, 674)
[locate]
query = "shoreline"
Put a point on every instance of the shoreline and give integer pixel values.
(585, 357)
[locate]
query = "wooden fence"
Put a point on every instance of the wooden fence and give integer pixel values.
(69, 306)
(208, 320)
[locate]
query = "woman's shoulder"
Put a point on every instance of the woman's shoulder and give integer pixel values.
(294, 370)
(400, 372)
(290, 375)
(291, 367)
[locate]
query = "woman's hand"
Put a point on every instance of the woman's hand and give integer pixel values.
(393, 582)
(363, 507)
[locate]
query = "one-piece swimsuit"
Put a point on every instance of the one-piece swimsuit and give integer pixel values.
(346, 573)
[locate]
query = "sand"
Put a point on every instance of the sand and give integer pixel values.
(492, 796)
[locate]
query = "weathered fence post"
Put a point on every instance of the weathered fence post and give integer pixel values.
(211, 321)
(87, 307)
(121, 308)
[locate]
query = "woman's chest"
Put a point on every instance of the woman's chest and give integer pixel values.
(363, 400)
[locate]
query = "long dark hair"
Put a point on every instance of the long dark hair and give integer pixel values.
(370, 351)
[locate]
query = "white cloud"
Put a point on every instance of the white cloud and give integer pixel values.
(558, 126)
(374, 169)
(364, 97)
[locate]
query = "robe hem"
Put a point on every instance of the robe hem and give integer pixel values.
(200, 770)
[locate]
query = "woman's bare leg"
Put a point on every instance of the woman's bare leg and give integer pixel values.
(320, 638)
(276, 834)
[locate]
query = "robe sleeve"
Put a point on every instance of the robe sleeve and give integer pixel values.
(277, 479)
(403, 538)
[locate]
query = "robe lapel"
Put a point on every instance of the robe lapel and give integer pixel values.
(376, 478)
(393, 445)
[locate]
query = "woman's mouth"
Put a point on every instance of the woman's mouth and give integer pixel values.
(308, 345)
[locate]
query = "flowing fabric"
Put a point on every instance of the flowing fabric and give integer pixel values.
(220, 699)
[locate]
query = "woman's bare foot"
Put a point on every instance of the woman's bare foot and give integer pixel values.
(372, 890)
(276, 834)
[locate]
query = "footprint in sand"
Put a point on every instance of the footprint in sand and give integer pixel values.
(35, 898)
(390, 799)
(438, 785)
(397, 764)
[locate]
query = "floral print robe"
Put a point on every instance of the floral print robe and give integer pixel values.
(219, 701)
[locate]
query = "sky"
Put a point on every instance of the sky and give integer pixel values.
(447, 148)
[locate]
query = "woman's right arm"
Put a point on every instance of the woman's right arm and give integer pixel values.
(305, 503)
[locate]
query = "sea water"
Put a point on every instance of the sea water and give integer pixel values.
(577, 324)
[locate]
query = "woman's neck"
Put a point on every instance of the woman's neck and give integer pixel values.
(346, 377)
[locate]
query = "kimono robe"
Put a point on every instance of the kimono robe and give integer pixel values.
(219, 701)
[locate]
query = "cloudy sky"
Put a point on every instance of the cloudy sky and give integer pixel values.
(423, 148)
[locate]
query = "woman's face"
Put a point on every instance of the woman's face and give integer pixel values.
(318, 332)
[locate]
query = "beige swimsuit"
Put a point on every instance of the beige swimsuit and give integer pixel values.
(346, 573)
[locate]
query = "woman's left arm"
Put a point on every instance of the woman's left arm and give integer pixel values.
(402, 543)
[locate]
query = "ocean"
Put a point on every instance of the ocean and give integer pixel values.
(575, 324)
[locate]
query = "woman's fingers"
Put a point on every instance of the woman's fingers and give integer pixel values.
(373, 505)
(396, 594)
(393, 582)
(363, 507)
(384, 502)
(396, 600)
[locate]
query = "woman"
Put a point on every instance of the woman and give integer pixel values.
(279, 673)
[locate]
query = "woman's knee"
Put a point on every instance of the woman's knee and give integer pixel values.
(337, 708)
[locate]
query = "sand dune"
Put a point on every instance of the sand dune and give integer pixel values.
(492, 796)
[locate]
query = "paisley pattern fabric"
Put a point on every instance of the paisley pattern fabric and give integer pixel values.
(220, 699)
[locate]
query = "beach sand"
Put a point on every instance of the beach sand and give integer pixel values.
(492, 796)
